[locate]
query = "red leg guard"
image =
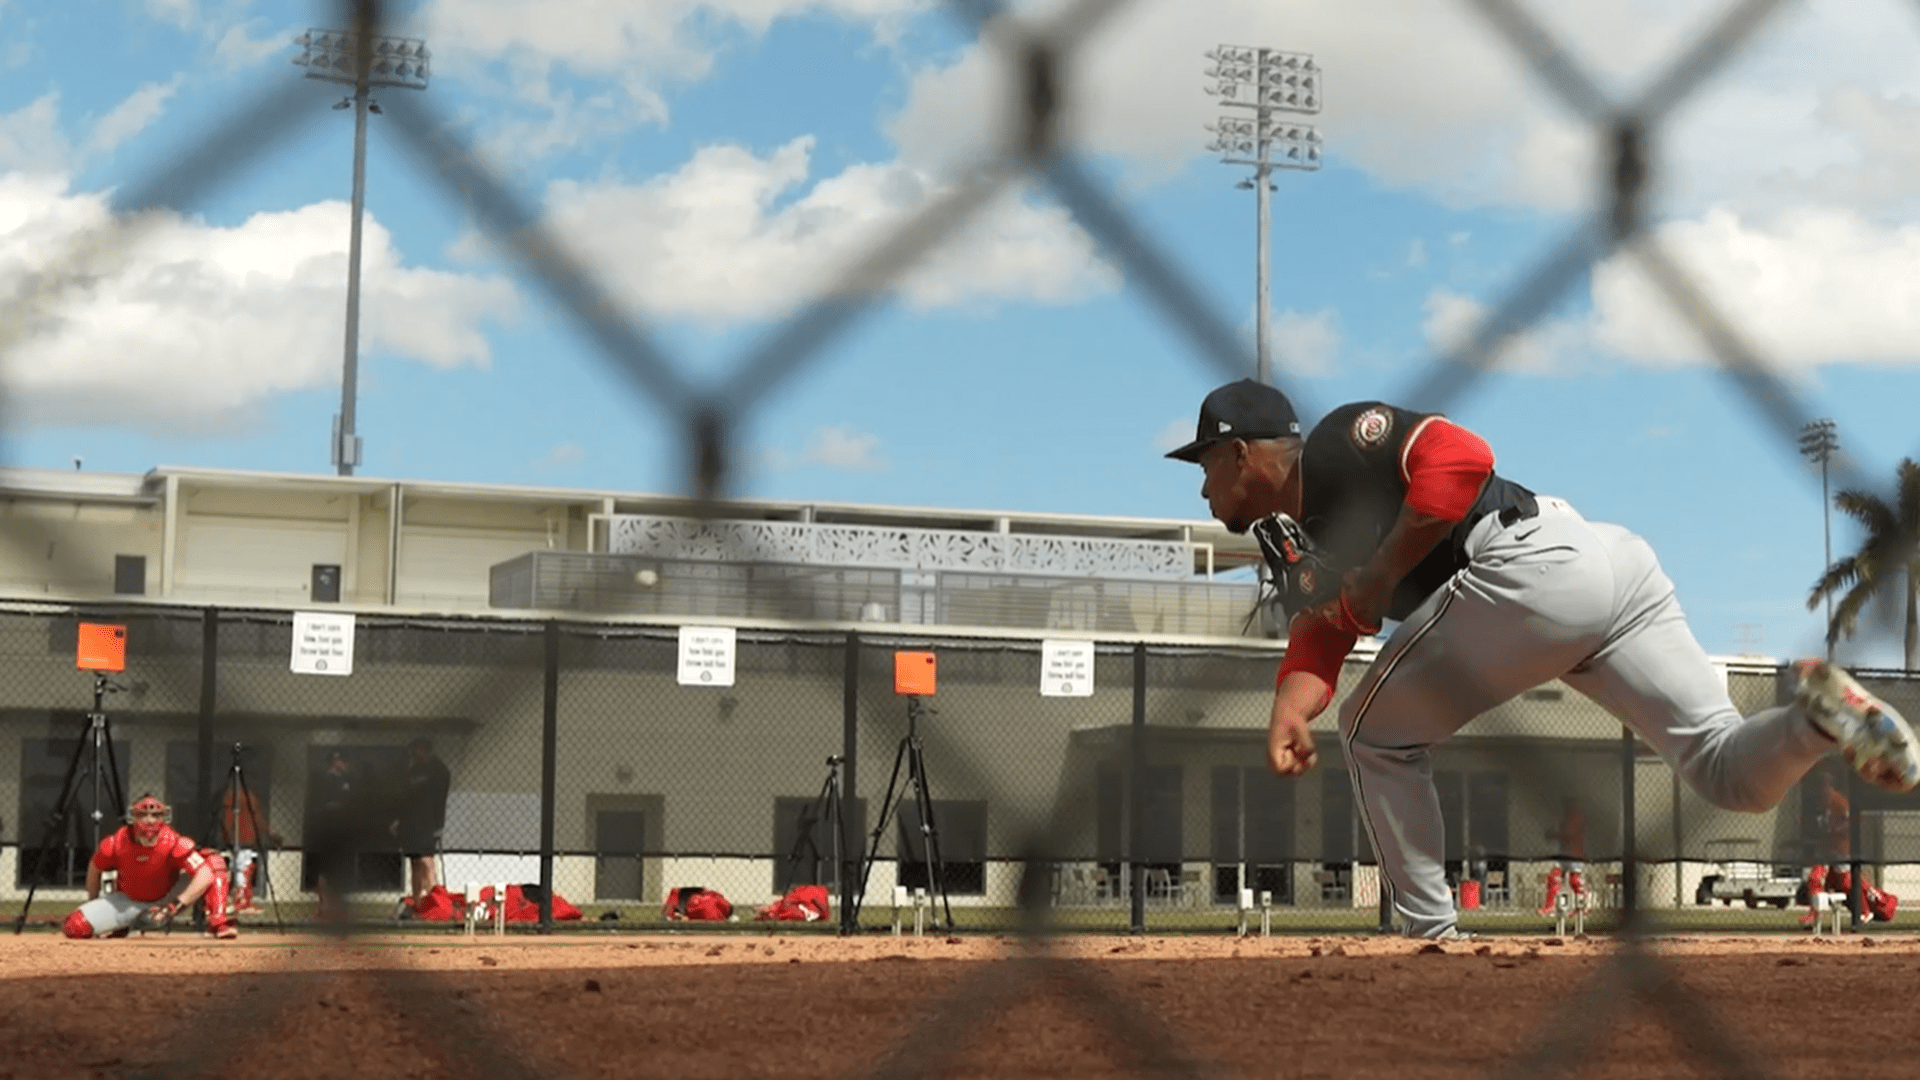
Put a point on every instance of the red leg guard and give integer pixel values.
(215, 898)
(77, 926)
(1578, 882)
(1554, 877)
(217, 892)
(1816, 884)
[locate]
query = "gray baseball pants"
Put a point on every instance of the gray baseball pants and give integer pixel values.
(1550, 597)
(111, 911)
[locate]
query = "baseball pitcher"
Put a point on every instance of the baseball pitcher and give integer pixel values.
(1383, 513)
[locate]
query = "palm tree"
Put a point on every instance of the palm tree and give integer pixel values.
(1888, 560)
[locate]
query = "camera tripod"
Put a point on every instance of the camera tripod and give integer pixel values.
(826, 807)
(911, 755)
(240, 800)
(94, 743)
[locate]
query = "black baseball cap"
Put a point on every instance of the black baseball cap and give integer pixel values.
(1241, 410)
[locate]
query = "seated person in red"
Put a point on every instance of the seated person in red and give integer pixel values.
(160, 875)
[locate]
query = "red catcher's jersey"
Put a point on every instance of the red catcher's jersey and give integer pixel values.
(147, 874)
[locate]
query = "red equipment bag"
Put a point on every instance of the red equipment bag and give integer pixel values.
(695, 904)
(1881, 903)
(803, 903)
(437, 907)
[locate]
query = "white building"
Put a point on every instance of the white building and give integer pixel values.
(657, 784)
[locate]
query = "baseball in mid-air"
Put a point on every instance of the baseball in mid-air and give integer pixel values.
(646, 578)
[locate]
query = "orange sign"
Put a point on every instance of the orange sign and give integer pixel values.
(914, 673)
(103, 647)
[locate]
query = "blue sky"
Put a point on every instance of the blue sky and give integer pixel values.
(717, 159)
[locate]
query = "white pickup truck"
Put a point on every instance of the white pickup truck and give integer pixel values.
(1737, 873)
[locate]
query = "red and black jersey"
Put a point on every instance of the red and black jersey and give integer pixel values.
(1358, 466)
(147, 873)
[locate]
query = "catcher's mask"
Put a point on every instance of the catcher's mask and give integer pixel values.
(148, 815)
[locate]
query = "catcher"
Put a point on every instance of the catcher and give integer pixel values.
(161, 874)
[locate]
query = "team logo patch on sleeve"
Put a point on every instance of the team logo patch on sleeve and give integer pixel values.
(1371, 428)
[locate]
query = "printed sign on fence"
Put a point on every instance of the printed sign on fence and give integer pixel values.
(1066, 669)
(322, 643)
(706, 656)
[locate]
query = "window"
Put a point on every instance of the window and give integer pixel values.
(959, 832)
(62, 863)
(803, 841)
(130, 575)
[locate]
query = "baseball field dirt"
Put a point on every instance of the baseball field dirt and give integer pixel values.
(792, 1006)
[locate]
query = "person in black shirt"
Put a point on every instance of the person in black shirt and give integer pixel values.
(422, 814)
(334, 832)
(1496, 590)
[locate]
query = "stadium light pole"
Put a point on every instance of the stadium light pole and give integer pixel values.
(362, 62)
(1819, 442)
(1272, 84)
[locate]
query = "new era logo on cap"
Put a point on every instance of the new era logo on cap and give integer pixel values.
(1241, 410)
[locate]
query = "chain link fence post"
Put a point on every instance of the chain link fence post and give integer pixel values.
(549, 752)
(852, 840)
(1629, 811)
(1137, 795)
(1856, 889)
(209, 688)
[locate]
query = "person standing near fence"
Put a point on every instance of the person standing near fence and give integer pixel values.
(252, 819)
(1569, 869)
(333, 833)
(1496, 590)
(422, 815)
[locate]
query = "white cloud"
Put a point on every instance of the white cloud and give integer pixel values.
(195, 326)
(640, 48)
(32, 141)
(1817, 287)
(1177, 433)
(1418, 92)
(833, 447)
(1548, 347)
(131, 116)
(1305, 344)
(237, 48)
(1424, 94)
(844, 448)
(734, 236)
(569, 453)
(181, 13)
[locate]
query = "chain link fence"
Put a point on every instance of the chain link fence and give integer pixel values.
(579, 763)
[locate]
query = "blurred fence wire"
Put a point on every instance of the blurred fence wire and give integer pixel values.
(1084, 822)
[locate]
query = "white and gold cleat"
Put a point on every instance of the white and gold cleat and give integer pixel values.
(1875, 739)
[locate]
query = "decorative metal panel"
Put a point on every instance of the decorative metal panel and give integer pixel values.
(897, 548)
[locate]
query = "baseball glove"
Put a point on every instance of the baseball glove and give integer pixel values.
(1301, 571)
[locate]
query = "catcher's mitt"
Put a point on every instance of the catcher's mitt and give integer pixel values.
(1301, 571)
